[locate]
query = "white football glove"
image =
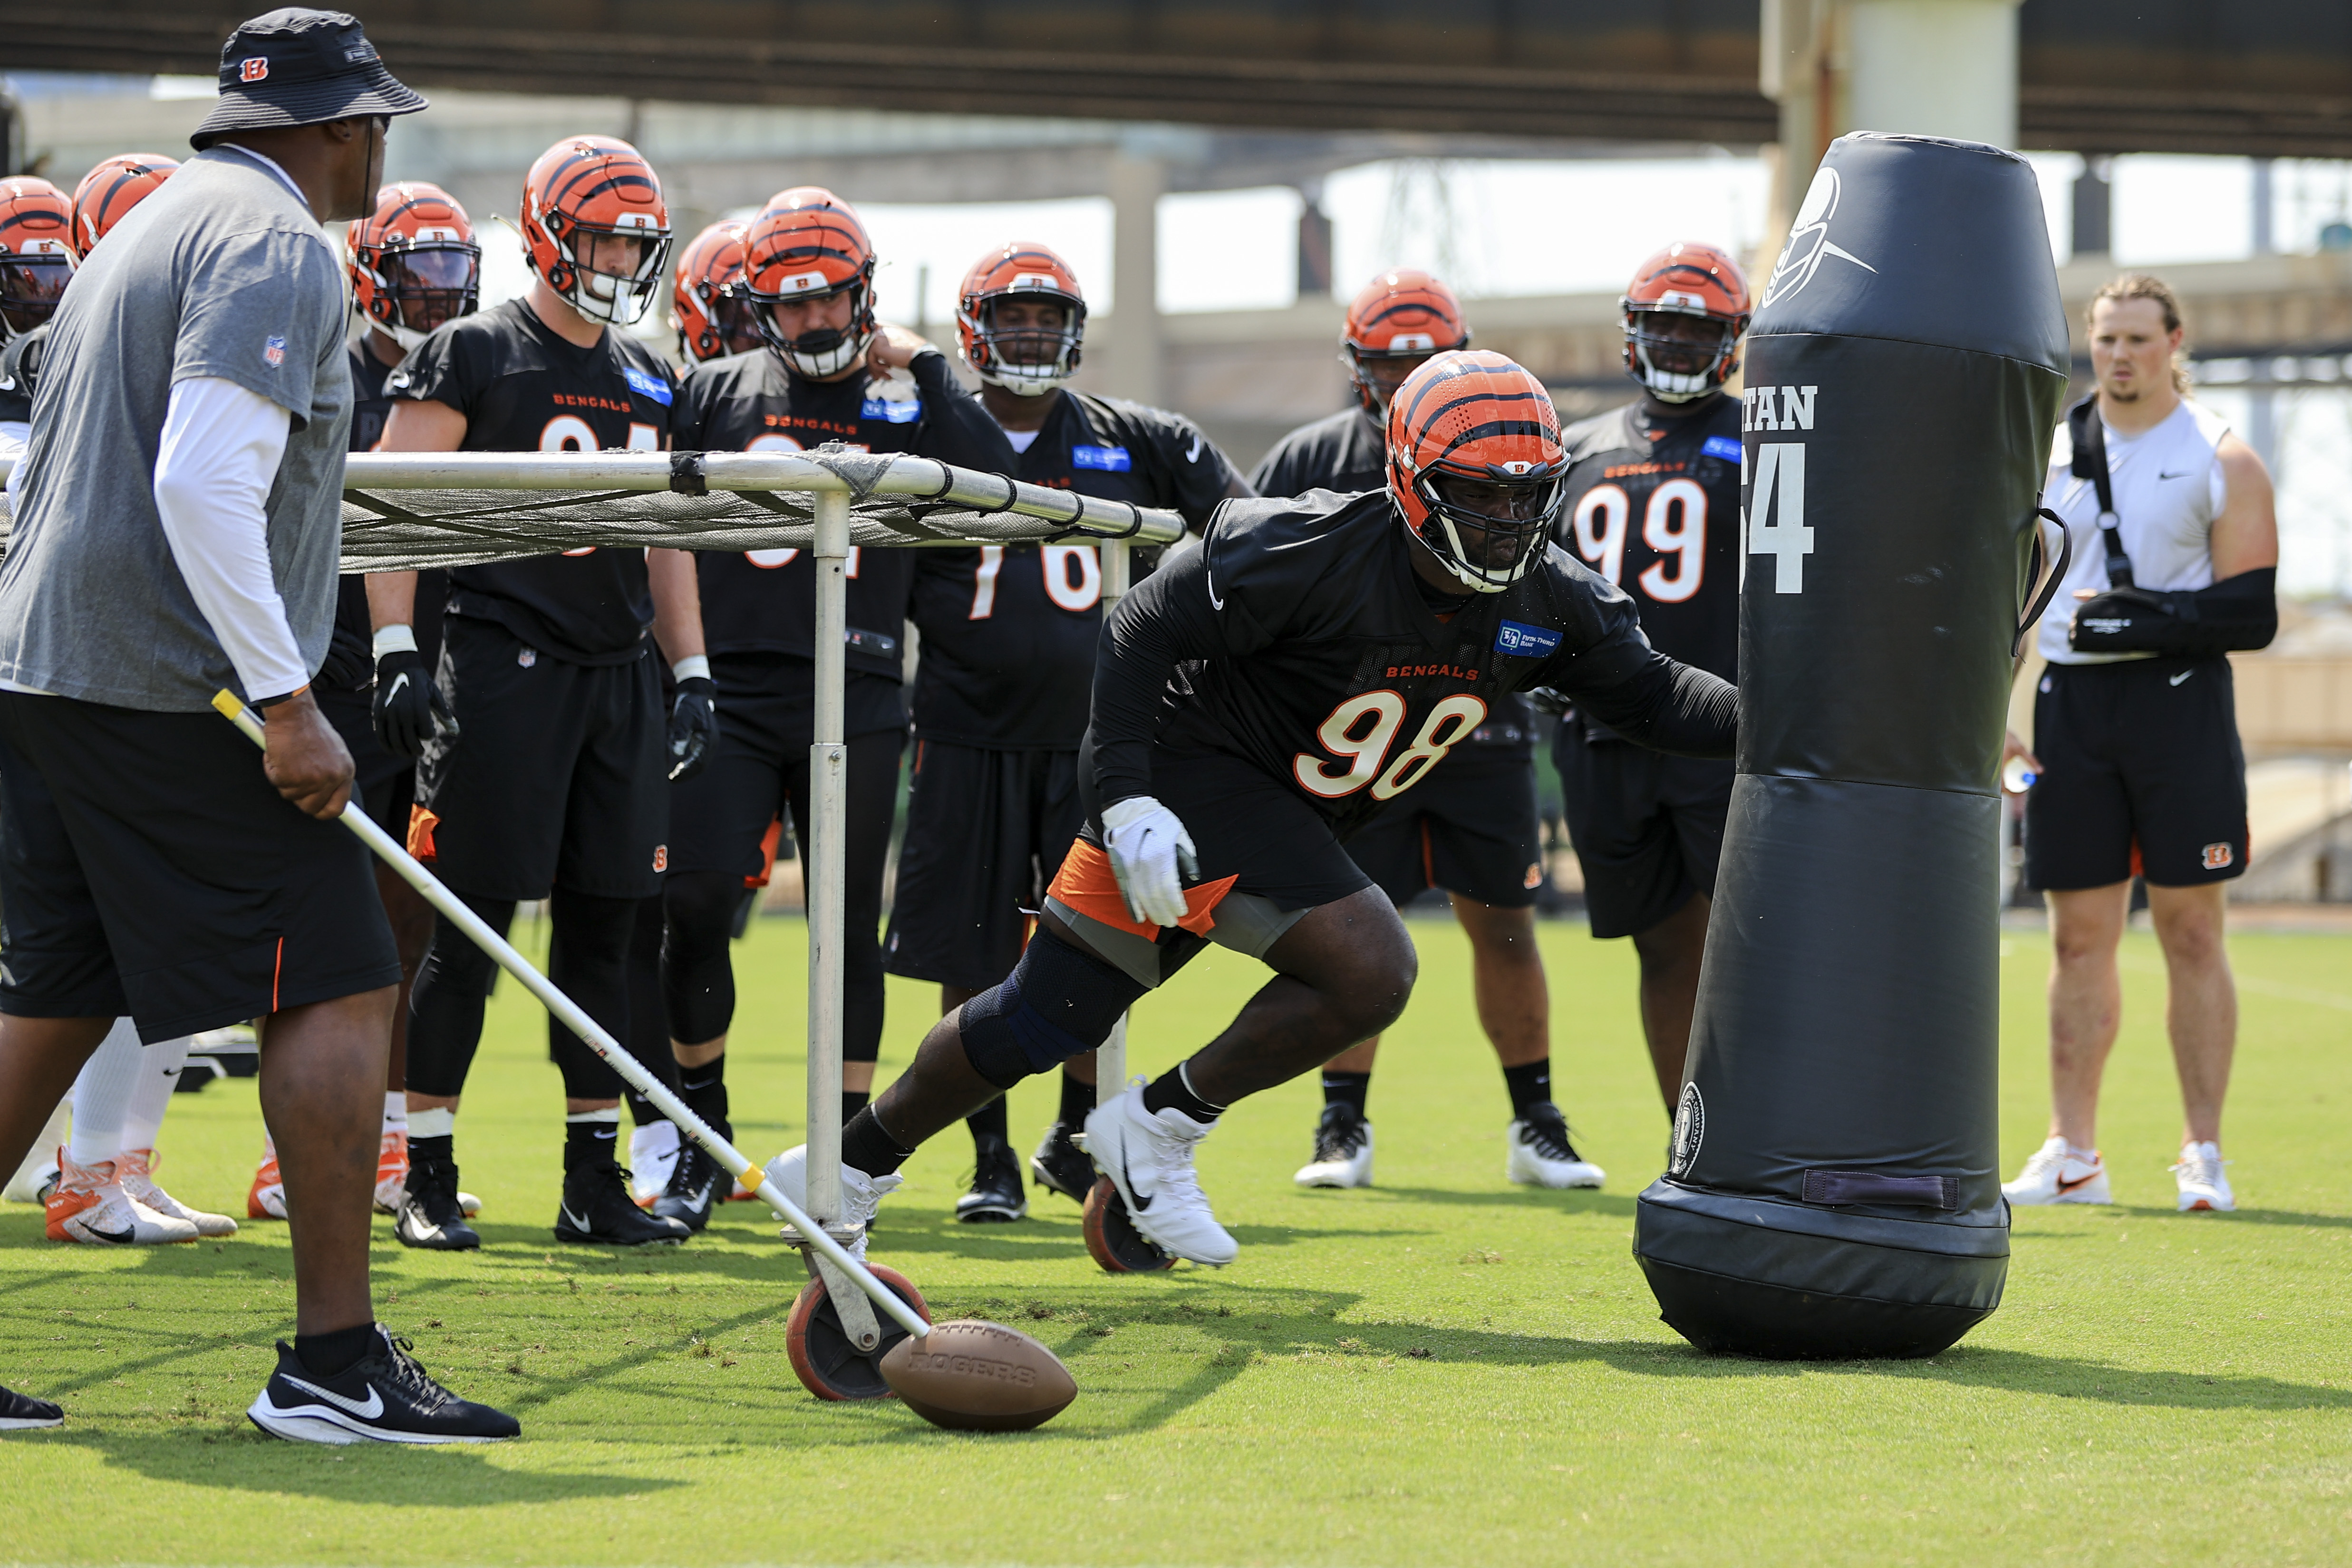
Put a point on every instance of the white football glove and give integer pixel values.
(1146, 845)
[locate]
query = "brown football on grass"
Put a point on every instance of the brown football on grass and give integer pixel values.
(976, 1376)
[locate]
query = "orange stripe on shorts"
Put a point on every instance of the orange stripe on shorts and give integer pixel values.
(1086, 884)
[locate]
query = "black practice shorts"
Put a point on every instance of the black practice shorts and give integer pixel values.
(986, 832)
(1647, 828)
(148, 867)
(557, 777)
(1470, 827)
(2141, 775)
(384, 784)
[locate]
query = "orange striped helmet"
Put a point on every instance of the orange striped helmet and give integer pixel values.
(584, 190)
(1029, 360)
(413, 262)
(1475, 465)
(37, 257)
(806, 244)
(1398, 320)
(1683, 313)
(707, 306)
(113, 188)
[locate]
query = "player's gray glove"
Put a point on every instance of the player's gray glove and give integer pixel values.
(693, 726)
(409, 710)
(1150, 854)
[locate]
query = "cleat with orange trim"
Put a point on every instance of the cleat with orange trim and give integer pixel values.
(391, 1169)
(90, 1206)
(266, 1199)
(134, 1168)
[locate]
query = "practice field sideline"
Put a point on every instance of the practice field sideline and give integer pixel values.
(1443, 1370)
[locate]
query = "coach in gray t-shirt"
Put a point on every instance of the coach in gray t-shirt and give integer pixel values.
(177, 532)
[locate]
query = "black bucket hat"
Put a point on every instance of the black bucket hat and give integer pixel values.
(296, 67)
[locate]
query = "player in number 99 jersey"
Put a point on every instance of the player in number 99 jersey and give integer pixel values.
(1654, 506)
(1255, 701)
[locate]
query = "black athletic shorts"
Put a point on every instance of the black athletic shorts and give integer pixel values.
(1470, 827)
(147, 867)
(557, 777)
(384, 784)
(2142, 774)
(1647, 828)
(986, 831)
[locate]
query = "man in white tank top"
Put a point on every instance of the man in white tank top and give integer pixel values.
(2140, 773)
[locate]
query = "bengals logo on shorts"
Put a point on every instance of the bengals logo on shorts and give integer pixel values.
(2218, 857)
(661, 856)
(1535, 875)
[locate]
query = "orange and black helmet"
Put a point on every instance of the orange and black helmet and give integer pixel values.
(37, 256)
(112, 189)
(713, 316)
(583, 189)
(1399, 320)
(1476, 466)
(413, 262)
(807, 244)
(1683, 313)
(1026, 360)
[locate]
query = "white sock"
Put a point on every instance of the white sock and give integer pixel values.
(395, 1111)
(436, 1123)
(115, 1072)
(153, 1095)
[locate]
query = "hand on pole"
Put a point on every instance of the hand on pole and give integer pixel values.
(305, 758)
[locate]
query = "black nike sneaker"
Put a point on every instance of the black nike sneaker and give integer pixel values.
(995, 1197)
(1541, 1154)
(430, 1215)
(597, 1209)
(22, 1412)
(697, 1185)
(382, 1398)
(1061, 1165)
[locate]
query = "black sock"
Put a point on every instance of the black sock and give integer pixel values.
(865, 1146)
(704, 1090)
(853, 1101)
(988, 1121)
(1350, 1088)
(442, 1148)
(589, 1142)
(1171, 1090)
(1077, 1099)
(335, 1352)
(1531, 1084)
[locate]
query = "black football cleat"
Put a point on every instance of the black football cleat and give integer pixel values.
(382, 1398)
(996, 1197)
(597, 1210)
(431, 1215)
(1062, 1165)
(697, 1185)
(23, 1413)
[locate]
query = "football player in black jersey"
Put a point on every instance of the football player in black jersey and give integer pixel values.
(808, 273)
(37, 259)
(554, 787)
(1653, 506)
(1008, 639)
(1471, 827)
(1255, 701)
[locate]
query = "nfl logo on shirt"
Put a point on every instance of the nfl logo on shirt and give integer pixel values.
(273, 352)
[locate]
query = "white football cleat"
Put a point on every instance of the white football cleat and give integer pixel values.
(1343, 1149)
(861, 1194)
(90, 1205)
(1541, 1154)
(1149, 1158)
(2058, 1172)
(134, 1168)
(652, 1155)
(2203, 1188)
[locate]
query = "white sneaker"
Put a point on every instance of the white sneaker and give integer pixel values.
(2058, 1172)
(1541, 1154)
(90, 1205)
(1149, 1157)
(652, 1155)
(861, 1194)
(1343, 1149)
(2203, 1188)
(134, 1168)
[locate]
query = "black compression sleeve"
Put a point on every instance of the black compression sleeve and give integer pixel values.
(1168, 618)
(1669, 707)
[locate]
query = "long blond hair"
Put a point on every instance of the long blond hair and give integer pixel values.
(2146, 286)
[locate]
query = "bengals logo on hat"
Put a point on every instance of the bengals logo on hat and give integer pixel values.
(253, 69)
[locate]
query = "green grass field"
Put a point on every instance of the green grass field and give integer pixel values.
(1442, 1369)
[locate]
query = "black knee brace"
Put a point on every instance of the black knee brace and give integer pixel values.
(1059, 1001)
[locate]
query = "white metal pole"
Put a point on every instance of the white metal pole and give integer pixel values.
(1110, 1056)
(826, 865)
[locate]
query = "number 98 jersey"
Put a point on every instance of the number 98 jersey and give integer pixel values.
(1654, 506)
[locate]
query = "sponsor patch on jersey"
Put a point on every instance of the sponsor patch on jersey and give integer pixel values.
(1520, 641)
(892, 411)
(652, 387)
(1102, 459)
(1724, 447)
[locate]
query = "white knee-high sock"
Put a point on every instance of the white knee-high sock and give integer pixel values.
(114, 1074)
(153, 1095)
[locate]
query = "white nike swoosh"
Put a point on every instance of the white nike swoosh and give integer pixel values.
(398, 681)
(1207, 578)
(2181, 676)
(578, 1222)
(367, 1412)
(1194, 455)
